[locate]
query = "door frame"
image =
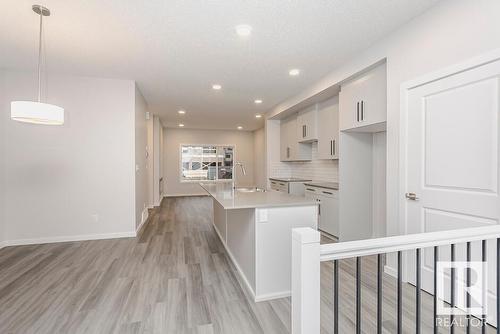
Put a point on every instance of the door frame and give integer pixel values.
(471, 63)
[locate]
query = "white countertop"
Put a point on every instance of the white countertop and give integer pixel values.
(233, 199)
(289, 179)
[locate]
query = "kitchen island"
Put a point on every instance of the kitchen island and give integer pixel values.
(255, 228)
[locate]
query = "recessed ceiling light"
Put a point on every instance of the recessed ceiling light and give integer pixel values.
(181, 112)
(244, 30)
(258, 101)
(240, 127)
(216, 86)
(258, 116)
(181, 125)
(294, 72)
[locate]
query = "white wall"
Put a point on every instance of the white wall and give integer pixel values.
(72, 181)
(150, 161)
(173, 138)
(3, 159)
(157, 135)
(141, 159)
(448, 33)
(259, 149)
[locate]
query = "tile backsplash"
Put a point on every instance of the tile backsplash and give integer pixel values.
(317, 170)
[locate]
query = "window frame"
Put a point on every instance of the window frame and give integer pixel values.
(182, 180)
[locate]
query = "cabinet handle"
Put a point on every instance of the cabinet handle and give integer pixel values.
(319, 207)
(362, 110)
(328, 193)
(357, 111)
(331, 147)
(305, 130)
(310, 189)
(334, 148)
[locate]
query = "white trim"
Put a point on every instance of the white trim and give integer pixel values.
(271, 296)
(144, 218)
(82, 237)
(3, 244)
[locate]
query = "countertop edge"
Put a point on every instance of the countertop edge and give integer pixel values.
(317, 185)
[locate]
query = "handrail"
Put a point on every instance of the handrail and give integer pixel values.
(351, 249)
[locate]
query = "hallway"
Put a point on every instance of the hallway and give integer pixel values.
(174, 278)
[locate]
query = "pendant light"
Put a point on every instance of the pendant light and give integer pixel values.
(37, 112)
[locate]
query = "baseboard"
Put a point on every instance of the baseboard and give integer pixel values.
(84, 237)
(270, 296)
(391, 271)
(144, 218)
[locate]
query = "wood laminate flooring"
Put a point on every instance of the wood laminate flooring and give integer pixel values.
(175, 277)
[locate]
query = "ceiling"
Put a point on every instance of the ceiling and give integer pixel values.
(177, 49)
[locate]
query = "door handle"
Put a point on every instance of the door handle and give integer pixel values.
(411, 196)
(357, 111)
(362, 110)
(334, 147)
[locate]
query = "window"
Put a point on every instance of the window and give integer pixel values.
(206, 162)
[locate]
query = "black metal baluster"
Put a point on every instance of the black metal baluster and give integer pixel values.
(436, 255)
(379, 293)
(358, 295)
(452, 296)
(467, 300)
(484, 258)
(400, 295)
(336, 298)
(417, 297)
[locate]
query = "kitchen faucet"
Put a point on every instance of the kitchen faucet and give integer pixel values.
(243, 171)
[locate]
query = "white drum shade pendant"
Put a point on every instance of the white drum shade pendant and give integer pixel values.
(37, 112)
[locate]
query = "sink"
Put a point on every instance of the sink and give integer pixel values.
(250, 190)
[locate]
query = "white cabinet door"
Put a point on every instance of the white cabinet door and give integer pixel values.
(328, 208)
(290, 148)
(452, 151)
(328, 129)
(373, 104)
(291, 135)
(329, 211)
(363, 101)
(349, 106)
(307, 125)
(284, 149)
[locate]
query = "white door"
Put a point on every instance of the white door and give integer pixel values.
(452, 149)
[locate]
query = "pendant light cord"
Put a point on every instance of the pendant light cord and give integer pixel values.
(40, 60)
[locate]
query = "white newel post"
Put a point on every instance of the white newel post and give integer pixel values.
(305, 281)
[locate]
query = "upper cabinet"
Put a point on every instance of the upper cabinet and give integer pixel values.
(363, 102)
(290, 148)
(328, 129)
(307, 125)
